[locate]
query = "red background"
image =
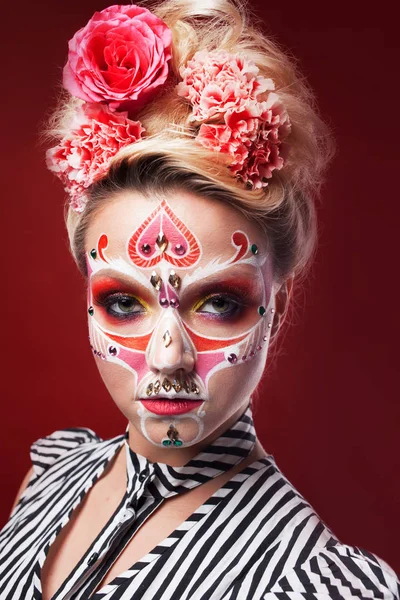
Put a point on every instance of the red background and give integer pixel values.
(329, 406)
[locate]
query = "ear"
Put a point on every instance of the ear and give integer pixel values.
(283, 294)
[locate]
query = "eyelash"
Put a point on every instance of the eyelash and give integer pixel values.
(237, 306)
(110, 299)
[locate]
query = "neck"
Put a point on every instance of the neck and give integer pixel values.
(177, 457)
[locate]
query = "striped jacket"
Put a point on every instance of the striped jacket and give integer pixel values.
(255, 538)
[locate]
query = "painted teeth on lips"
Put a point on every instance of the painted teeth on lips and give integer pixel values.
(176, 384)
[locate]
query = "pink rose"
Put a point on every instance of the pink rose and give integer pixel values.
(84, 155)
(120, 57)
(214, 82)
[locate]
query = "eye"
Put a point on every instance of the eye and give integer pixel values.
(123, 305)
(219, 305)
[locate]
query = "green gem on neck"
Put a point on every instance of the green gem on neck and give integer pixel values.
(93, 253)
(254, 248)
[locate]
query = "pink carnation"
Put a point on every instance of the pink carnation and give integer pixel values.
(120, 57)
(83, 156)
(214, 82)
(252, 135)
(262, 158)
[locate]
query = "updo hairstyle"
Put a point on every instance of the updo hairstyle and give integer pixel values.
(169, 158)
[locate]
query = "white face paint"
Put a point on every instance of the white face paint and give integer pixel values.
(180, 312)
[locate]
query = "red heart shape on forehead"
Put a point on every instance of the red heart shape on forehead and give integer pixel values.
(163, 235)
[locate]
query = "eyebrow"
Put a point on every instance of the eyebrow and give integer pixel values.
(244, 271)
(121, 278)
(122, 270)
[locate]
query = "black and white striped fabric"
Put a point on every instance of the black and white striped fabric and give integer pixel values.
(255, 538)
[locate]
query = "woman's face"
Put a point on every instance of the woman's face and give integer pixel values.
(181, 303)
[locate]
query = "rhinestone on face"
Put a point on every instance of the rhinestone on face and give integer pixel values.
(272, 310)
(174, 303)
(162, 242)
(167, 339)
(269, 325)
(174, 280)
(156, 281)
(244, 357)
(262, 310)
(178, 442)
(113, 351)
(149, 389)
(265, 338)
(179, 249)
(157, 386)
(232, 358)
(177, 385)
(91, 311)
(254, 249)
(166, 385)
(252, 353)
(93, 253)
(146, 248)
(166, 442)
(172, 433)
(164, 302)
(259, 348)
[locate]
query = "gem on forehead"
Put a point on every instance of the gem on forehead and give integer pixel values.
(156, 281)
(93, 253)
(180, 249)
(254, 248)
(162, 242)
(174, 280)
(146, 248)
(91, 311)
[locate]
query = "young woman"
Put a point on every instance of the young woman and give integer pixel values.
(191, 153)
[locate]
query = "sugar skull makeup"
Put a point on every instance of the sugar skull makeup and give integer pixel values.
(178, 312)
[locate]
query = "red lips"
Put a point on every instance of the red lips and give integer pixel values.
(161, 406)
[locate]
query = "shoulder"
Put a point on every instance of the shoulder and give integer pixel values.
(46, 451)
(337, 572)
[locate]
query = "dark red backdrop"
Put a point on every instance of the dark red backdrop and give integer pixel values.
(329, 408)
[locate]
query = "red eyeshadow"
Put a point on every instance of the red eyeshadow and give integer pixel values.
(107, 285)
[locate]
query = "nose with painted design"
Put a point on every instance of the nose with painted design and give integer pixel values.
(170, 348)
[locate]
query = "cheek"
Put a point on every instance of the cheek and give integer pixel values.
(119, 382)
(237, 382)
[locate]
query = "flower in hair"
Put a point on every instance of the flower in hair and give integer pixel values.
(216, 81)
(237, 112)
(120, 57)
(84, 154)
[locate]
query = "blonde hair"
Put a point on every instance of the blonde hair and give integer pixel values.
(169, 157)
